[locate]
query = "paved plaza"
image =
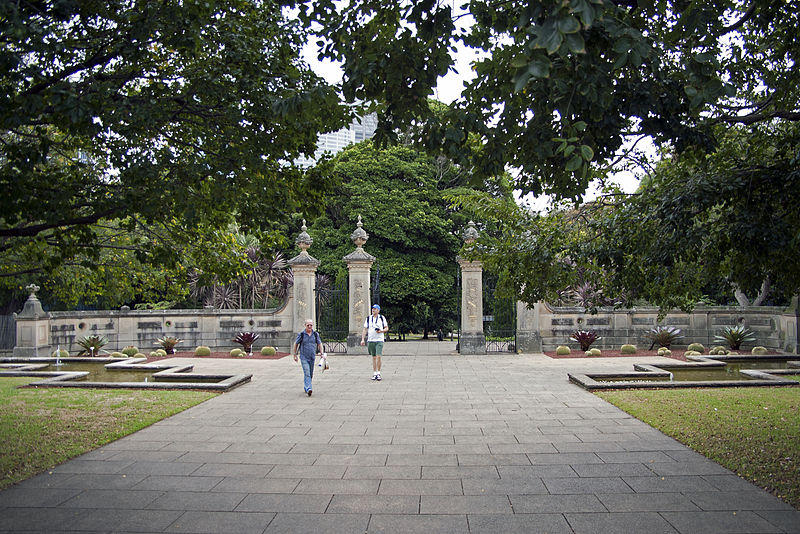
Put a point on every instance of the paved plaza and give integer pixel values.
(444, 444)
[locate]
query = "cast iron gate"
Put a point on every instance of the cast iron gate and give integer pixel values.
(499, 321)
(332, 317)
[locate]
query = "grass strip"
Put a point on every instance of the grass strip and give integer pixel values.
(754, 432)
(43, 427)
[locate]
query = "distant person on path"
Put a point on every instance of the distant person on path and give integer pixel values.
(374, 327)
(307, 344)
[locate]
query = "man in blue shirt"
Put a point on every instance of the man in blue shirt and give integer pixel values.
(307, 344)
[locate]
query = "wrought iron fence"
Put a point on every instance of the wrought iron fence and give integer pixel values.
(8, 332)
(332, 317)
(499, 322)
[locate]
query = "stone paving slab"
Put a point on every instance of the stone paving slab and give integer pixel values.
(444, 443)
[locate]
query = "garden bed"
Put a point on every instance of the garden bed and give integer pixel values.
(222, 355)
(677, 354)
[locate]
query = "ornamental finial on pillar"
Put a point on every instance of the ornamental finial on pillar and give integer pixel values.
(359, 235)
(470, 234)
(304, 240)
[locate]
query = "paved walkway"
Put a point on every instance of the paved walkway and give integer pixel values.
(445, 443)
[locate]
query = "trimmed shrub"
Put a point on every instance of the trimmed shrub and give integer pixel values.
(60, 354)
(268, 351)
(759, 351)
(696, 347)
(664, 351)
(162, 352)
(118, 355)
(202, 350)
(719, 350)
(588, 353)
(237, 353)
(628, 349)
(154, 354)
(563, 350)
(140, 355)
(130, 351)
(691, 353)
(596, 352)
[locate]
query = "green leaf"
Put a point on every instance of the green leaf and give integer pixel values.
(568, 24)
(587, 153)
(539, 68)
(576, 43)
(574, 163)
(549, 38)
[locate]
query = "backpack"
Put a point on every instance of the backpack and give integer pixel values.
(301, 338)
(381, 317)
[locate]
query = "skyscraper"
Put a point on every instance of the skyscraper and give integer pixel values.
(334, 142)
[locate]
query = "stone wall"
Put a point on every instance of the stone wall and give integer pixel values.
(544, 327)
(211, 327)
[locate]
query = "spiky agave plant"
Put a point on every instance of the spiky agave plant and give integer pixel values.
(246, 340)
(585, 338)
(168, 343)
(734, 336)
(663, 336)
(92, 345)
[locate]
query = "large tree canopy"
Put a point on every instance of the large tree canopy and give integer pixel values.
(561, 85)
(412, 231)
(725, 223)
(166, 118)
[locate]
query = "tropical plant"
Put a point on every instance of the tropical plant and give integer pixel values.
(663, 336)
(734, 336)
(246, 340)
(168, 343)
(92, 345)
(585, 338)
(264, 282)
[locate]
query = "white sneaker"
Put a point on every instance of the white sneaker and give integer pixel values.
(375, 376)
(378, 377)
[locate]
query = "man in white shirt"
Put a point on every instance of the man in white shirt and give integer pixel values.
(374, 327)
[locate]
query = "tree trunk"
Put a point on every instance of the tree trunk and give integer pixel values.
(763, 293)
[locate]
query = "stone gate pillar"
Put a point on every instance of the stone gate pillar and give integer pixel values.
(304, 271)
(472, 340)
(33, 328)
(358, 263)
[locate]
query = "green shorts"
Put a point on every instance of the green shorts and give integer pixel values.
(375, 348)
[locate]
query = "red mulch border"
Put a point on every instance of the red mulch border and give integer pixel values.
(676, 354)
(220, 355)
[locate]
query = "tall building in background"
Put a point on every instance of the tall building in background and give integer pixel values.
(361, 128)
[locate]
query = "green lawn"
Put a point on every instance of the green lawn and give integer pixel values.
(43, 427)
(754, 432)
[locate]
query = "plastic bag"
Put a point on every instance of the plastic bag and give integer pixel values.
(323, 361)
